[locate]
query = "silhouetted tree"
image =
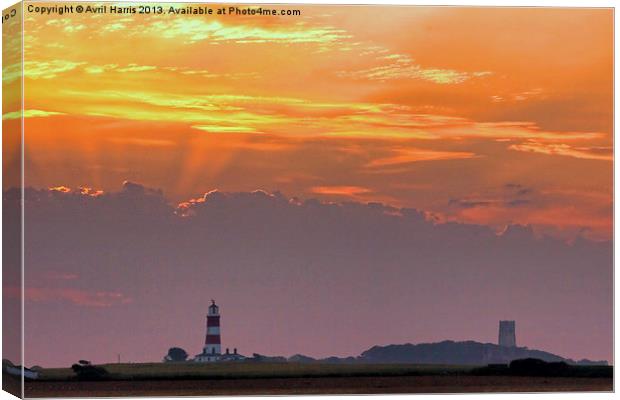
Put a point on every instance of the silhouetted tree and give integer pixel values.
(536, 367)
(89, 372)
(175, 354)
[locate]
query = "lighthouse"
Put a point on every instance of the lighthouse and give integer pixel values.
(212, 349)
(213, 341)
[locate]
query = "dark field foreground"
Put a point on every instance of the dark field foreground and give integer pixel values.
(198, 379)
(318, 385)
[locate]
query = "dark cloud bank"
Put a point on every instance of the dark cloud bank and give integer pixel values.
(294, 277)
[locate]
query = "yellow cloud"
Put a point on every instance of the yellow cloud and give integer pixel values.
(402, 67)
(410, 155)
(98, 69)
(11, 72)
(561, 149)
(29, 114)
(397, 71)
(221, 129)
(137, 68)
(291, 116)
(66, 24)
(205, 103)
(114, 27)
(49, 69)
(195, 30)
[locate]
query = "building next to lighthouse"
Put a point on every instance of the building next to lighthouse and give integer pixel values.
(212, 350)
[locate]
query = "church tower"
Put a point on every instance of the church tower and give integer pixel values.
(507, 336)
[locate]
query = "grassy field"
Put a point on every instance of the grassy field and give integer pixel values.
(317, 385)
(196, 379)
(191, 370)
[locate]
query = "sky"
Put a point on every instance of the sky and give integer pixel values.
(477, 140)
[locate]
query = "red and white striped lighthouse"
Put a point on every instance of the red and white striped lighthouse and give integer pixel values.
(213, 341)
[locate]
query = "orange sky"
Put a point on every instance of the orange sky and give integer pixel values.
(483, 115)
